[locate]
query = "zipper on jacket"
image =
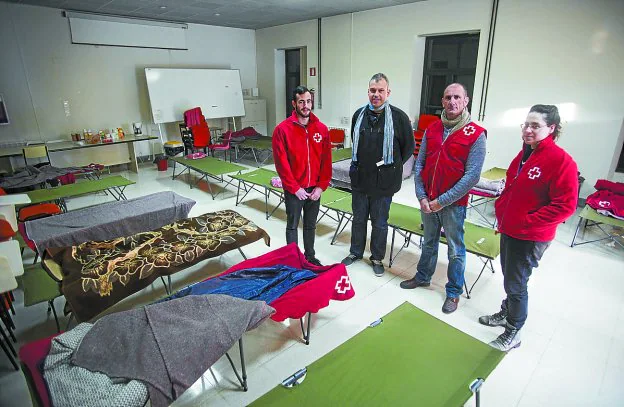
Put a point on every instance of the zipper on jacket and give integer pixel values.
(435, 167)
(510, 194)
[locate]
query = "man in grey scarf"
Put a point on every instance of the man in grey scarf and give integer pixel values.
(449, 164)
(382, 141)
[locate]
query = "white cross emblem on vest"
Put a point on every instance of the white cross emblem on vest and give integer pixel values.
(469, 130)
(534, 173)
(317, 137)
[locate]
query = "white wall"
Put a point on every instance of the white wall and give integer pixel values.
(105, 86)
(552, 52)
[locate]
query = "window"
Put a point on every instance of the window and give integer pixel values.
(448, 59)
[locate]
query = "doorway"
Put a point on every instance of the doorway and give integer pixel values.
(448, 59)
(293, 75)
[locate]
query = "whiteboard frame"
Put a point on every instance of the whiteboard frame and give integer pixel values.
(207, 98)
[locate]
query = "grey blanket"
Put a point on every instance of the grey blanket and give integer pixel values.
(30, 176)
(169, 345)
(494, 187)
(71, 385)
(340, 172)
(108, 220)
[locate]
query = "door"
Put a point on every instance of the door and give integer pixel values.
(448, 59)
(293, 75)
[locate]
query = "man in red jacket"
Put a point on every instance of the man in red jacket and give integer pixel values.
(540, 193)
(302, 155)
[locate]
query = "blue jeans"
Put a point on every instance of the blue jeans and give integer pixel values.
(452, 219)
(378, 208)
(518, 258)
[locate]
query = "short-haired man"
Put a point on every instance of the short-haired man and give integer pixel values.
(382, 140)
(448, 165)
(302, 155)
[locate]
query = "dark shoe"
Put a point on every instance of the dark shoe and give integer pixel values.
(498, 319)
(508, 340)
(378, 268)
(313, 260)
(413, 283)
(450, 305)
(350, 259)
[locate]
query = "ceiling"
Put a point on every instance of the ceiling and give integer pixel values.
(253, 14)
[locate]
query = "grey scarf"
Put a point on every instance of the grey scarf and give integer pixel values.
(457, 123)
(388, 141)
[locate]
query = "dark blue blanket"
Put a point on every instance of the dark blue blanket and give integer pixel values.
(261, 283)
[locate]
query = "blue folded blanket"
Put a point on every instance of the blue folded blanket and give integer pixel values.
(260, 283)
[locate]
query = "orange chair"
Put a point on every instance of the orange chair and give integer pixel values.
(31, 212)
(337, 137)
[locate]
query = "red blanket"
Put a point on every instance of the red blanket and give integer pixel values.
(333, 283)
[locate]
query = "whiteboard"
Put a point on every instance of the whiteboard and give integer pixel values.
(172, 91)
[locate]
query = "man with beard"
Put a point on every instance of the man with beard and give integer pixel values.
(302, 155)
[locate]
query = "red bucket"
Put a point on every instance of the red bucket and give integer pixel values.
(162, 165)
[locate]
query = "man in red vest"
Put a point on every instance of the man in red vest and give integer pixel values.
(448, 165)
(302, 155)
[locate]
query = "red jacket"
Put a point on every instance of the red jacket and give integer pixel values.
(541, 196)
(445, 163)
(302, 155)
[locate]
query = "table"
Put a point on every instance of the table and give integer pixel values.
(54, 147)
(7, 207)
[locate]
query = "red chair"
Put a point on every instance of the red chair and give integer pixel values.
(423, 122)
(199, 137)
(337, 137)
(224, 146)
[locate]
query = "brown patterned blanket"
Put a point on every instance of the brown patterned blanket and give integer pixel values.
(97, 275)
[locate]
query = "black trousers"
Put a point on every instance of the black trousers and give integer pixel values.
(293, 213)
(518, 259)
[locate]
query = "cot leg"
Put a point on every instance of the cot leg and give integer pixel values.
(238, 192)
(6, 348)
(242, 254)
(8, 342)
(243, 380)
(475, 387)
(391, 260)
(58, 327)
(340, 217)
(304, 332)
(10, 298)
(578, 227)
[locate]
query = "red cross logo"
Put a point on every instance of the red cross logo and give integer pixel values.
(469, 130)
(343, 285)
(317, 137)
(534, 173)
(604, 204)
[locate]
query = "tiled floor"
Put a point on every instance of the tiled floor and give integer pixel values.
(572, 351)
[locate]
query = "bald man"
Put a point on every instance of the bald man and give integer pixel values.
(449, 164)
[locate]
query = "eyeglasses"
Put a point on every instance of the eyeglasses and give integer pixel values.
(533, 127)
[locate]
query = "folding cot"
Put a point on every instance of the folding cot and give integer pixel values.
(406, 220)
(593, 218)
(207, 167)
(480, 199)
(108, 220)
(96, 275)
(256, 146)
(260, 181)
(406, 358)
(341, 154)
(114, 185)
(332, 283)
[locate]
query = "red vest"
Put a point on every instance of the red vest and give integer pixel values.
(446, 161)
